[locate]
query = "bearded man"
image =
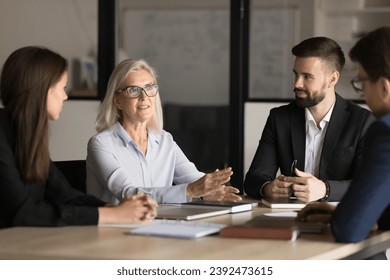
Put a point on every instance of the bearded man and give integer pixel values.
(319, 131)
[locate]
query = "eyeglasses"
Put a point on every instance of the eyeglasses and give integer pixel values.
(357, 84)
(135, 92)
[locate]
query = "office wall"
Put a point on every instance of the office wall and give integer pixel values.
(255, 117)
(191, 43)
(70, 28)
(192, 38)
(69, 135)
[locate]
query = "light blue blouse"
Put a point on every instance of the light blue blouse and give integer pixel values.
(116, 168)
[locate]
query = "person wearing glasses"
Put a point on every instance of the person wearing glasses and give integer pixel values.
(319, 133)
(366, 205)
(33, 191)
(132, 153)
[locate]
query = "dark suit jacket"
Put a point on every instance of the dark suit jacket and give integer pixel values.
(283, 141)
(54, 203)
(367, 201)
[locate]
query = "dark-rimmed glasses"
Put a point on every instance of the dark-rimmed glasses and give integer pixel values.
(357, 84)
(135, 91)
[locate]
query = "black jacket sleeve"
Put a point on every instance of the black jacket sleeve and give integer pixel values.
(54, 203)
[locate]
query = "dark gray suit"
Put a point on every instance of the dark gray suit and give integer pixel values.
(283, 140)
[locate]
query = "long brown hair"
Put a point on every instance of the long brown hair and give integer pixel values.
(26, 78)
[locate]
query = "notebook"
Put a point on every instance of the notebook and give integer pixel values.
(188, 212)
(283, 203)
(178, 229)
(233, 207)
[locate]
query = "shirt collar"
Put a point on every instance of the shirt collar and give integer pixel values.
(325, 119)
(121, 132)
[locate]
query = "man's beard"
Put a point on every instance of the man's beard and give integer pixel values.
(312, 98)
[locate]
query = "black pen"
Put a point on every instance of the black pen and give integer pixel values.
(292, 174)
(293, 166)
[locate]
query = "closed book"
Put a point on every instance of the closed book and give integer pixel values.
(177, 229)
(264, 227)
(188, 212)
(233, 206)
(283, 203)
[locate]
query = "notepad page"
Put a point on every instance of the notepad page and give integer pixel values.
(178, 229)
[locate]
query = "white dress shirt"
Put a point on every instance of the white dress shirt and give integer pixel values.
(116, 167)
(314, 141)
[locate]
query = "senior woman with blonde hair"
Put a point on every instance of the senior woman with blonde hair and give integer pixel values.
(132, 153)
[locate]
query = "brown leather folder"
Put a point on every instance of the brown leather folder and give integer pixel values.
(259, 232)
(267, 227)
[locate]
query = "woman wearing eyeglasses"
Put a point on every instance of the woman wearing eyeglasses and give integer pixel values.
(33, 191)
(132, 153)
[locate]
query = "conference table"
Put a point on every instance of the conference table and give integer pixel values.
(102, 242)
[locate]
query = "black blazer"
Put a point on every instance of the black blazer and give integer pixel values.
(54, 203)
(283, 140)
